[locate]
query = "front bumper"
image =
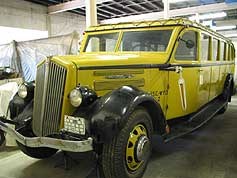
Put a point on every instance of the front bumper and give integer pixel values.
(66, 145)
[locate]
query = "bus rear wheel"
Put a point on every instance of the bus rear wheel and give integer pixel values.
(226, 96)
(2, 138)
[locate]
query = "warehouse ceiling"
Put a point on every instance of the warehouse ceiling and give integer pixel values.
(122, 8)
(111, 9)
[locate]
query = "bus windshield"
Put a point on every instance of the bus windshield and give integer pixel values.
(132, 41)
(152, 40)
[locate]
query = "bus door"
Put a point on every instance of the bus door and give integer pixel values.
(183, 80)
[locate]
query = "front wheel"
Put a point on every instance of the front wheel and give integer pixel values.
(127, 155)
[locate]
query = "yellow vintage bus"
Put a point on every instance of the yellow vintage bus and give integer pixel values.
(131, 80)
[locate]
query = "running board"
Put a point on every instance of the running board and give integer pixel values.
(195, 121)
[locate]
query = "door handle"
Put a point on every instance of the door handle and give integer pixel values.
(176, 69)
(200, 70)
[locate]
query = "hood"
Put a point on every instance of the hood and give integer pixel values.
(89, 60)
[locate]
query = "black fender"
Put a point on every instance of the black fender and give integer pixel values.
(24, 119)
(110, 112)
(17, 104)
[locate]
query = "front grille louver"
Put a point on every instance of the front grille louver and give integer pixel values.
(50, 84)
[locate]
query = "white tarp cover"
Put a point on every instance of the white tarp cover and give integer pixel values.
(23, 57)
(7, 91)
(6, 56)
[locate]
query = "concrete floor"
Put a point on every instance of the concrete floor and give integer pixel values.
(210, 152)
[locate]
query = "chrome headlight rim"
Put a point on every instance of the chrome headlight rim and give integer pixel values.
(22, 91)
(75, 97)
(88, 96)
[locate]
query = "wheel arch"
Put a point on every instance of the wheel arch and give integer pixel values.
(233, 90)
(157, 116)
(111, 111)
(229, 82)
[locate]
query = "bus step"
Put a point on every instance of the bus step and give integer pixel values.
(196, 120)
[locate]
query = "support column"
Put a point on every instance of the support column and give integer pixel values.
(48, 25)
(91, 13)
(166, 8)
(197, 18)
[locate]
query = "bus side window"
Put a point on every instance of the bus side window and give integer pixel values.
(205, 44)
(222, 51)
(233, 53)
(230, 53)
(187, 48)
(214, 49)
(226, 51)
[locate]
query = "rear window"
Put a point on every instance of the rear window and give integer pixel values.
(146, 41)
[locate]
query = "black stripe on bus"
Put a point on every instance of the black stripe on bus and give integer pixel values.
(133, 66)
(142, 66)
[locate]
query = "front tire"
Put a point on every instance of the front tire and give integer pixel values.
(38, 152)
(127, 155)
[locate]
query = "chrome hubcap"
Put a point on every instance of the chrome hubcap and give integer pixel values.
(143, 146)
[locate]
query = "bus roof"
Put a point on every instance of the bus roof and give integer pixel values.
(156, 23)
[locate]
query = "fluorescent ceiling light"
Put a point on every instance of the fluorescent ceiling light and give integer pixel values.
(209, 16)
(229, 27)
(207, 23)
(176, 1)
(231, 35)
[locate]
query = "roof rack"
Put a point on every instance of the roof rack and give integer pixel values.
(155, 23)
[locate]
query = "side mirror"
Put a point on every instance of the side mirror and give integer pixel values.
(190, 44)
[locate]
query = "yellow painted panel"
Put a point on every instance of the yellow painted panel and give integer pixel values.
(222, 78)
(67, 108)
(158, 86)
(204, 85)
(190, 76)
(215, 81)
(113, 84)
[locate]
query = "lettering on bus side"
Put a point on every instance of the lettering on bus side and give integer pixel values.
(157, 94)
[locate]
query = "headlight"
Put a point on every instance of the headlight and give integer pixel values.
(75, 97)
(22, 91)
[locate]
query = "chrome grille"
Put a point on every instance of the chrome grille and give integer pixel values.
(50, 83)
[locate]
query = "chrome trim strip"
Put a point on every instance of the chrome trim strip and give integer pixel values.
(66, 145)
(44, 95)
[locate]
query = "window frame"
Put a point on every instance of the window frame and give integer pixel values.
(84, 45)
(121, 31)
(197, 46)
(226, 51)
(222, 58)
(173, 29)
(217, 55)
(209, 46)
